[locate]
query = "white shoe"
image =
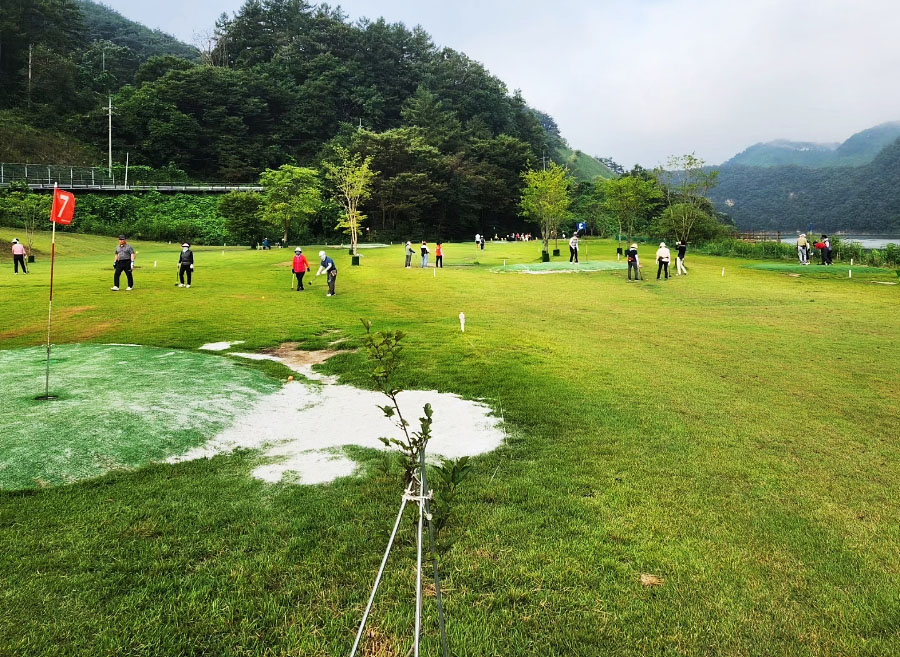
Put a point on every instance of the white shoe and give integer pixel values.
(181, 285)
(128, 289)
(329, 295)
(187, 285)
(114, 288)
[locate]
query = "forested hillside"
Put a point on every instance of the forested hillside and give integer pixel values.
(864, 198)
(286, 81)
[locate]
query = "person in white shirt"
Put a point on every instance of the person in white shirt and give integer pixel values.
(663, 257)
(573, 248)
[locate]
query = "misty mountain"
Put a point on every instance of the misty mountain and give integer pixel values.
(859, 149)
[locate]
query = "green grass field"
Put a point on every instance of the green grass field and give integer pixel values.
(736, 436)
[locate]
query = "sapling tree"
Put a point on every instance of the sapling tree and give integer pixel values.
(384, 350)
(686, 182)
(352, 179)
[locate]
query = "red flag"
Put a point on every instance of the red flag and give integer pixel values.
(63, 207)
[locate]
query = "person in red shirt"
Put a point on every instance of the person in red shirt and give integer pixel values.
(301, 266)
(438, 255)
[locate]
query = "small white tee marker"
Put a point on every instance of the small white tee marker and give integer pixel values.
(462, 322)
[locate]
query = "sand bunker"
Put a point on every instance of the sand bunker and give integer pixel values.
(219, 346)
(302, 428)
(300, 361)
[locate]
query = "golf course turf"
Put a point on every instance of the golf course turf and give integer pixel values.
(735, 437)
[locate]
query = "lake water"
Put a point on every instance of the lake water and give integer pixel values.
(866, 241)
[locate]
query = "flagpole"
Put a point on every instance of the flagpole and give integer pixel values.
(50, 305)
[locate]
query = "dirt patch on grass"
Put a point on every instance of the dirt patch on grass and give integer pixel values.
(94, 330)
(297, 359)
(41, 327)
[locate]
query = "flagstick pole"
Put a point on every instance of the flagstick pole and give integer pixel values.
(50, 305)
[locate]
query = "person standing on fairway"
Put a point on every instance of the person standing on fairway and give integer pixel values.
(826, 251)
(300, 266)
(424, 254)
(328, 267)
(18, 253)
(679, 260)
(573, 248)
(803, 249)
(439, 255)
(185, 264)
(124, 262)
(410, 252)
(634, 263)
(663, 257)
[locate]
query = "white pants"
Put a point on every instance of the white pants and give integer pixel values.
(680, 263)
(801, 253)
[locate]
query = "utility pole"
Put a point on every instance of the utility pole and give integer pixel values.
(30, 46)
(110, 136)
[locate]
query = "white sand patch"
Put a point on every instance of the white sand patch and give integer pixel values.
(219, 346)
(300, 427)
(257, 356)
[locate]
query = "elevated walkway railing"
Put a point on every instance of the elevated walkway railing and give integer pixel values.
(44, 176)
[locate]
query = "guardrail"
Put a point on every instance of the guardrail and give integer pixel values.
(43, 176)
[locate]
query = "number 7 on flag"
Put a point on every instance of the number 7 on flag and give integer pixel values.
(63, 207)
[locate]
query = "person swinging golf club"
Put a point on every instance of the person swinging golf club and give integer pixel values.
(185, 264)
(328, 267)
(124, 262)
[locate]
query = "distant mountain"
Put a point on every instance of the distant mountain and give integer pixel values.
(859, 149)
(862, 198)
(105, 24)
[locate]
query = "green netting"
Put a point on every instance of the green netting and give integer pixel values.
(118, 407)
(561, 267)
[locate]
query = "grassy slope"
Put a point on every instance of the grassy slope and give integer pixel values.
(583, 166)
(21, 143)
(736, 436)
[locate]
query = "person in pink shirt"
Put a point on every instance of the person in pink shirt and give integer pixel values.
(18, 251)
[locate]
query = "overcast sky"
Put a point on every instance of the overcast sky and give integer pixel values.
(639, 80)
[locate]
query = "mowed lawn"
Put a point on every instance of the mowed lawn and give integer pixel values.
(737, 437)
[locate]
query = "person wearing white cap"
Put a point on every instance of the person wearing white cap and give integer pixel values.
(185, 264)
(634, 262)
(803, 249)
(328, 267)
(663, 257)
(300, 266)
(18, 253)
(410, 252)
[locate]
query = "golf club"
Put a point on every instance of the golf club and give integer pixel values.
(178, 274)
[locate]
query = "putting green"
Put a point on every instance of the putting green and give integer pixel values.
(815, 269)
(561, 267)
(117, 407)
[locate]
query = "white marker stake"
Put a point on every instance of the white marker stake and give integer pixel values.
(851, 262)
(504, 262)
(223, 253)
(849, 273)
(435, 273)
(154, 264)
(462, 322)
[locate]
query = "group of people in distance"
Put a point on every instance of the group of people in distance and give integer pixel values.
(425, 251)
(824, 246)
(663, 258)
